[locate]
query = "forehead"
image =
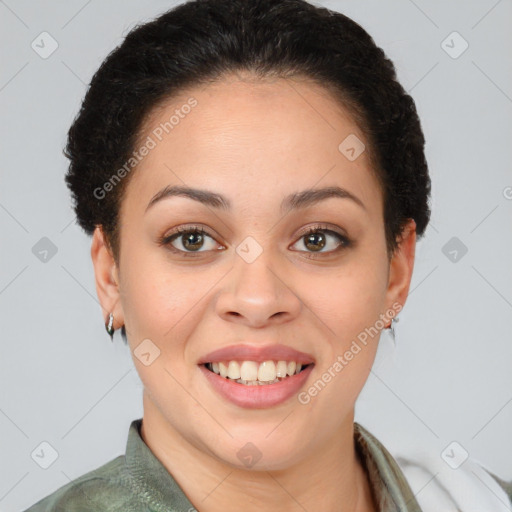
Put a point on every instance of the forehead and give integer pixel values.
(252, 138)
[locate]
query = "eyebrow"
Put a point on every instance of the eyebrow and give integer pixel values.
(294, 201)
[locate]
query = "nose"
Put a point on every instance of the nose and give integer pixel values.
(257, 295)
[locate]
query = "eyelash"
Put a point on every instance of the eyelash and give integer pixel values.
(166, 240)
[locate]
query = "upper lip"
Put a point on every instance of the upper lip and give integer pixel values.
(258, 354)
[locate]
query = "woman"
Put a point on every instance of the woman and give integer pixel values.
(253, 178)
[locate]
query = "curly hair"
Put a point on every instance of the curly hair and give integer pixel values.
(201, 41)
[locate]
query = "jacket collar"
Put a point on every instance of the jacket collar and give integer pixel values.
(390, 489)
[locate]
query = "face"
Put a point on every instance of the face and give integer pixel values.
(259, 280)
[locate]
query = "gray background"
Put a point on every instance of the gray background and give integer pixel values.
(450, 376)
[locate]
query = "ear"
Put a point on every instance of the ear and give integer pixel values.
(401, 267)
(107, 278)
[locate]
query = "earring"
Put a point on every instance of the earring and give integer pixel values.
(391, 327)
(110, 326)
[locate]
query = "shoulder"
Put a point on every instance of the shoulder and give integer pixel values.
(504, 485)
(470, 486)
(104, 489)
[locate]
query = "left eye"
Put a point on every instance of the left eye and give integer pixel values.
(316, 239)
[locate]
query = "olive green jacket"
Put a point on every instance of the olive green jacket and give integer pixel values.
(138, 482)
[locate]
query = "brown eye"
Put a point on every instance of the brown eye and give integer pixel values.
(192, 241)
(316, 239)
(189, 240)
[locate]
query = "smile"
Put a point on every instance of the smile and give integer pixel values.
(253, 373)
(256, 376)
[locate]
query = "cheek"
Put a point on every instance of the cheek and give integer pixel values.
(156, 296)
(349, 302)
(162, 305)
(352, 299)
(350, 306)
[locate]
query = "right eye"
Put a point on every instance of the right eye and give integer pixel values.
(191, 239)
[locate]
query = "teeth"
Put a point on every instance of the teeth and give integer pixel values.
(249, 370)
(223, 370)
(267, 371)
(233, 370)
(256, 382)
(281, 369)
(252, 373)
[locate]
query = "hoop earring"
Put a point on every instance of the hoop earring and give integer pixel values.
(391, 327)
(109, 326)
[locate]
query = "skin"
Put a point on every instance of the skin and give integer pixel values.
(254, 141)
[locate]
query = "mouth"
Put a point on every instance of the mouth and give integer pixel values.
(256, 377)
(254, 373)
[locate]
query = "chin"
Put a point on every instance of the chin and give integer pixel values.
(261, 451)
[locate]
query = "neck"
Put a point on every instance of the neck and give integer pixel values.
(330, 479)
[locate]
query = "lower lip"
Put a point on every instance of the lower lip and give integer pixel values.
(257, 397)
